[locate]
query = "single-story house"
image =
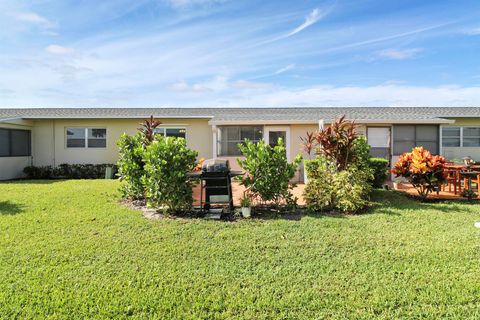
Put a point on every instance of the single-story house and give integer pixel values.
(52, 136)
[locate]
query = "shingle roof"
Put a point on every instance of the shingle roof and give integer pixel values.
(307, 114)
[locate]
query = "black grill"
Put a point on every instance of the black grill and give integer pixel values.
(216, 184)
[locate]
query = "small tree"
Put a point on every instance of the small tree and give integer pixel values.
(422, 169)
(268, 172)
(167, 162)
(147, 129)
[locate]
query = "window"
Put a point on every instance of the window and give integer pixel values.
(461, 136)
(86, 137)
(406, 137)
(15, 143)
(230, 136)
(471, 137)
(451, 136)
(172, 132)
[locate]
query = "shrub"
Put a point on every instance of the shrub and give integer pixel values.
(340, 176)
(68, 171)
(423, 170)
(380, 171)
(318, 193)
(130, 165)
(268, 172)
(167, 162)
(329, 189)
(33, 172)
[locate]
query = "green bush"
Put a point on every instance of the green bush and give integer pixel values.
(380, 171)
(167, 162)
(130, 165)
(33, 172)
(329, 189)
(268, 172)
(318, 193)
(68, 171)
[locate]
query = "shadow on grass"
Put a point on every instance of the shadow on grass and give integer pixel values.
(390, 202)
(32, 181)
(10, 208)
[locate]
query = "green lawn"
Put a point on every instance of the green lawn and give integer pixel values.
(69, 250)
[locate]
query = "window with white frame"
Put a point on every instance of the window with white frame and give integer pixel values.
(451, 136)
(178, 132)
(230, 136)
(461, 136)
(86, 137)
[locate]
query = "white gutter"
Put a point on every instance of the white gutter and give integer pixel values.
(360, 121)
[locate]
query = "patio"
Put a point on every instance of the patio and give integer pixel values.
(238, 190)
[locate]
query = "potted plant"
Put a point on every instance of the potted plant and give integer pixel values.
(246, 204)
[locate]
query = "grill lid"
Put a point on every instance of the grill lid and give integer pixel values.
(216, 165)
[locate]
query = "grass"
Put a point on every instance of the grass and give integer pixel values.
(69, 250)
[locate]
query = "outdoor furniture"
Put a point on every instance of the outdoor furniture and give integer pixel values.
(459, 168)
(453, 179)
(216, 183)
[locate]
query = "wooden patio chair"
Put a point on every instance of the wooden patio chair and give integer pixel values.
(453, 178)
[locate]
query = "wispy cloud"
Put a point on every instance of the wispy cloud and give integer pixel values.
(59, 50)
(310, 19)
(399, 54)
(33, 18)
(314, 16)
(183, 4)
(285, 69)
(473, 31)
(183, 86)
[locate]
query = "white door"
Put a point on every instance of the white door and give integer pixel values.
(272, 134)
(379, 141)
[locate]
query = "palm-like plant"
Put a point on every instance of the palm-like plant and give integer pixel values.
(148, 129)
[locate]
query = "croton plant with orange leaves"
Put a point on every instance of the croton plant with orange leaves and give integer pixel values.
(422, 169)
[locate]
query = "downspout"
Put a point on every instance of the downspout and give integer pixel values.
(54, 143)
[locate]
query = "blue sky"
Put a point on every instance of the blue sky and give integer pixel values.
(146, 53)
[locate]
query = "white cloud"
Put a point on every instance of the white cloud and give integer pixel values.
(33, 18)
(183, 86)
(182, 4)
(380, 95)
(473, 31)
(285, 69)
(250, 85)
(59, 50)
(310, 19)
(399, 54)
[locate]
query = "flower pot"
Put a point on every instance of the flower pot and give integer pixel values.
(246, 212)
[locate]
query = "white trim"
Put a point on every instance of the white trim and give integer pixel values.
(358, 121)
(259, 122)
(321, 124)
(266, 135)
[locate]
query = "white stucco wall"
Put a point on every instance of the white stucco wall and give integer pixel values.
(49, 139)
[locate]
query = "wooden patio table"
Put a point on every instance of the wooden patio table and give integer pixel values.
(467, 173)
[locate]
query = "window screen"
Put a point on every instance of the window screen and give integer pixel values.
(20, 143)
(230, 136)
(406, 137)
(15, 143)
(4, 143)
